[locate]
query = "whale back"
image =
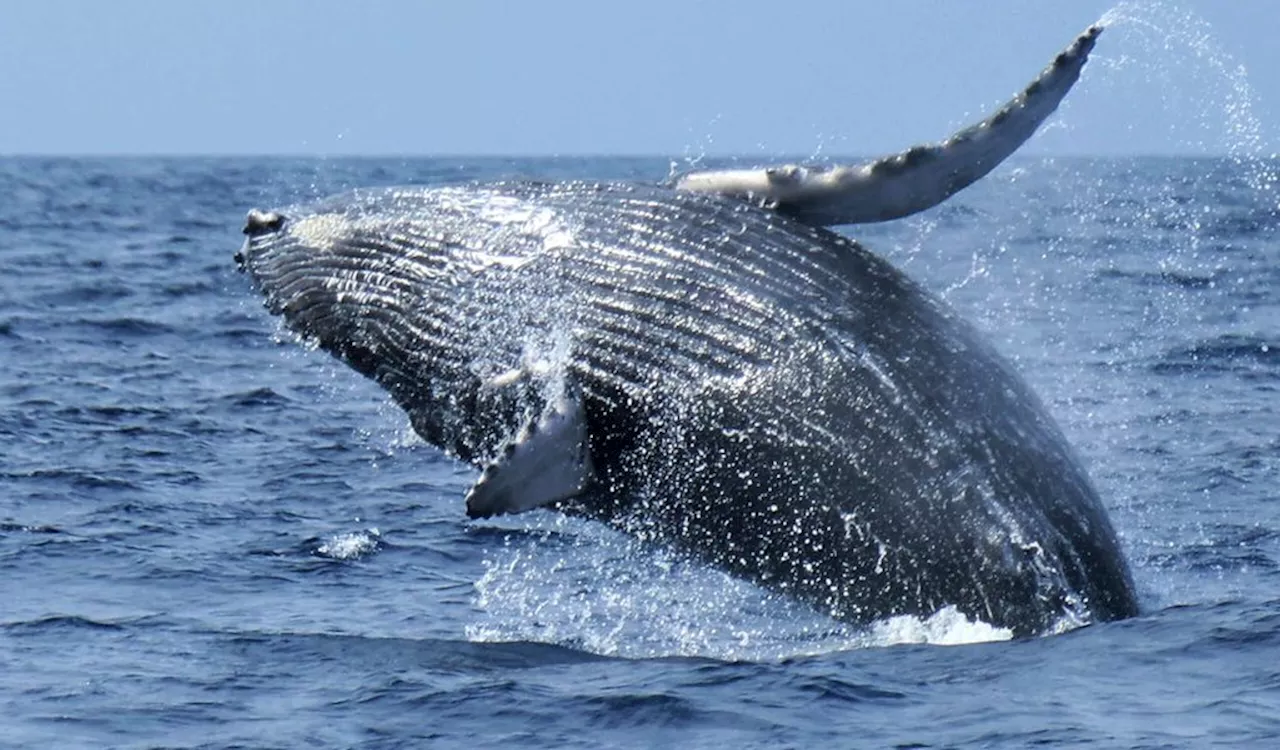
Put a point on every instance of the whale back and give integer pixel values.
(766, 394)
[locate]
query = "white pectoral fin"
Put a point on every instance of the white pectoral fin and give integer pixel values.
(916, 179)
(550, 461)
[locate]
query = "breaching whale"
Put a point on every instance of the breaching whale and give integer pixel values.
(703, 364)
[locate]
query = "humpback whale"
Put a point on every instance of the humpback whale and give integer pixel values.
(705, 364)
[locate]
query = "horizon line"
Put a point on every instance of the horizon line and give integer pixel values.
(790, 158)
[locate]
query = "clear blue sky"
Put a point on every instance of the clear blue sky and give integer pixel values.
(675, 77)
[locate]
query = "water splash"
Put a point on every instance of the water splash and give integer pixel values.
(694, 155)
(350, 546)
(946, 627)
(1177, 52)
(578, 584)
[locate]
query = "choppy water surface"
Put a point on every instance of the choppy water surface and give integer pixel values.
(211, 537)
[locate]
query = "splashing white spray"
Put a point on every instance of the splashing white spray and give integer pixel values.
(1180, 53)
(579, 584)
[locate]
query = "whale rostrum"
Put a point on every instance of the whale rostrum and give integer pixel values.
(911, 181)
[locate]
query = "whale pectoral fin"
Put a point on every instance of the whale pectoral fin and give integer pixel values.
(911, 181)
(550, 461)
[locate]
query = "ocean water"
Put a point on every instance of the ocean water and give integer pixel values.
(212, 537)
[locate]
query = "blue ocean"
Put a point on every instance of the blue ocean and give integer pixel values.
(211, 537)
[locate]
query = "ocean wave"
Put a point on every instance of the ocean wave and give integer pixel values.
(445, 654)
(1232, 352)
(1159, 278)
(128, 326)
(256, 398)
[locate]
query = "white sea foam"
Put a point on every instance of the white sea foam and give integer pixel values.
(350, 546)
(584, 586)
(946, 627)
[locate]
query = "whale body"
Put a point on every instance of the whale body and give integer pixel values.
(709, 368)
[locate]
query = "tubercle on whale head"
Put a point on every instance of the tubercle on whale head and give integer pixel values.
(257, 223)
